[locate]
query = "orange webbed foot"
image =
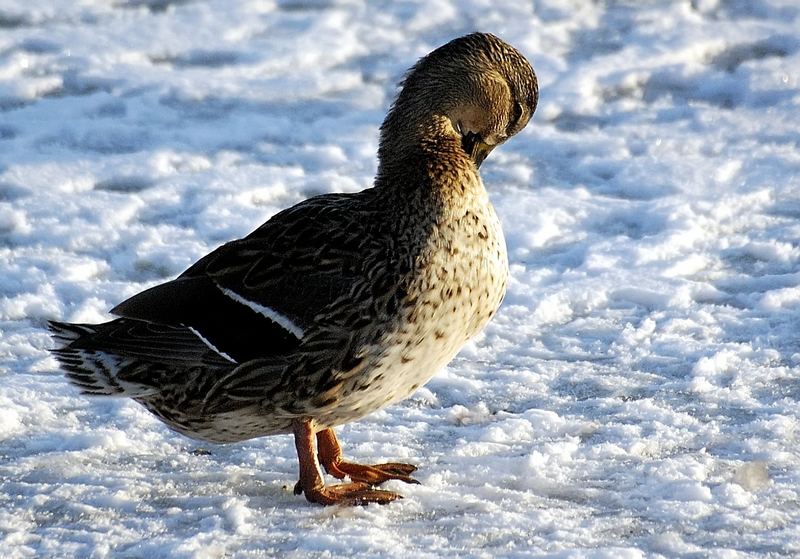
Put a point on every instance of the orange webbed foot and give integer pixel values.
(360, 491)
(374, 474)
(352, 494)
(330, 457)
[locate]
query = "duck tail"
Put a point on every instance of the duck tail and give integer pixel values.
(93, 371)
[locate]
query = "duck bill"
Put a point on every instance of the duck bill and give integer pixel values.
(479, 152)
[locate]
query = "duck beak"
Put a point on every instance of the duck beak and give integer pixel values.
(475, 147)
(480, 151)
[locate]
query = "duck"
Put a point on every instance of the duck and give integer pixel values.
(341, 304)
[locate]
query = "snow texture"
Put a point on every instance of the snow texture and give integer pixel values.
(636, 396)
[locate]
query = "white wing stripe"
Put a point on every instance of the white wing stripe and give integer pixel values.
(271, 314)
(210, 345)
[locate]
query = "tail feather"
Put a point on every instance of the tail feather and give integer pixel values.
(93, 371)
(65, 332)
(81, 367)
(124, 357)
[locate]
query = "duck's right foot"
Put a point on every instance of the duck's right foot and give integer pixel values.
(346, 494)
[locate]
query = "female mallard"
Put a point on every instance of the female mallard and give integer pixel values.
(342, 304)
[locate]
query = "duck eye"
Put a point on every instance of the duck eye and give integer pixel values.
(516, 114)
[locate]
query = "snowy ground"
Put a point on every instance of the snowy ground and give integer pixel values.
(637, 395)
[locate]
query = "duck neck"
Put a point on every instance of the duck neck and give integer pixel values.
(424, 159)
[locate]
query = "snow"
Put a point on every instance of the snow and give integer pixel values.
(636, 396)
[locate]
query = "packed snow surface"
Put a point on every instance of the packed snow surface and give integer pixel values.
(637, 395)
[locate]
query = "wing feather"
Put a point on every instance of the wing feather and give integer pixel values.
(256, 297)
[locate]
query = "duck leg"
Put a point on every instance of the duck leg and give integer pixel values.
(330, 456)
(312, 484)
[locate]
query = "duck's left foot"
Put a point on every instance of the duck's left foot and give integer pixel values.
(330, 457)
(374, 474)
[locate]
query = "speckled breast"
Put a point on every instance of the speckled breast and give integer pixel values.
(459, 286)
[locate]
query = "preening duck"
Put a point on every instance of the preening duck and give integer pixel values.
(341, 304)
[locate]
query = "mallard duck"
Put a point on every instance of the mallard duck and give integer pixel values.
(339, 305)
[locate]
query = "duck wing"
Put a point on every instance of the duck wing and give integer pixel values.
(257, 296)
